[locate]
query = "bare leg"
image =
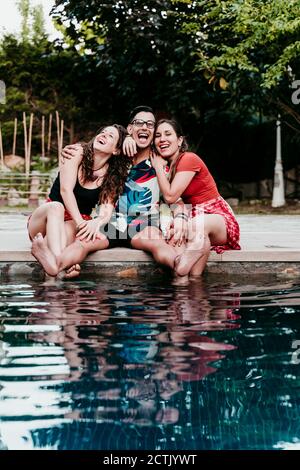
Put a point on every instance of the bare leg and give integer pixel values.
(78, 251)
(56, 239)
(151, 239)
(203, 230)
(43, 255)
(195, 246)
(70, 234)
(48, 219)
(199, 266)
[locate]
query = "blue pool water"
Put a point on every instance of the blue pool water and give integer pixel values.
(144, 364)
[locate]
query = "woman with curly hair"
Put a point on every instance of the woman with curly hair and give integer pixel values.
(62, 230)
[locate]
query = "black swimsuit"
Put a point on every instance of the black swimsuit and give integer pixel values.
(86, 198)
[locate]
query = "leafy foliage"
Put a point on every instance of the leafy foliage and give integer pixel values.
(38, 24)
(141, 48)
(24, 10)
(249, 48)
(260, 38)
(223, 68)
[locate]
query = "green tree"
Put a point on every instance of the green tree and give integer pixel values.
(24, 9)
(38, 24)
(41, 77)
(166, 53)
(249, 48)
(139, 46)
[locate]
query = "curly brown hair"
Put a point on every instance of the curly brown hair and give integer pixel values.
(183, 148)
(118, 165)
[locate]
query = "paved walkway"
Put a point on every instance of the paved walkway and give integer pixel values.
(264, 238)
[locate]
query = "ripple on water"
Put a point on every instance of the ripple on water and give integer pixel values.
(130, 364)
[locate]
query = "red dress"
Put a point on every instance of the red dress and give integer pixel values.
(203, 195)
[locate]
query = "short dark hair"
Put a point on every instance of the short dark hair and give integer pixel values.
(140, 109)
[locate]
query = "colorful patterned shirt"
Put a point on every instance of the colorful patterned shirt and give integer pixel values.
(140, 199)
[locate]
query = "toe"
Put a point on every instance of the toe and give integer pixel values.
(176, 261)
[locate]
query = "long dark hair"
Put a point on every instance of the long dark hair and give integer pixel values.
(184, 146)
(118, 165)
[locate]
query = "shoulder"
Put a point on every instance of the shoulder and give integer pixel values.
(74, 162)
(190, 161)
(192, 157)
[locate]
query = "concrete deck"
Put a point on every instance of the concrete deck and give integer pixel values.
(268, 242)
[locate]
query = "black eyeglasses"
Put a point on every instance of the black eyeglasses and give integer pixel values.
(140, 123)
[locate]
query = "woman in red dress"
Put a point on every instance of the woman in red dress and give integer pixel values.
(211, 222)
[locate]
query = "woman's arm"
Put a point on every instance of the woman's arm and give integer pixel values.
(177, 230)
(68, 177)
(91, 229)
(171, 191)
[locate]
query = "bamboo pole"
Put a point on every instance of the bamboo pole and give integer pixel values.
(49, 134)
(61, 141)
(29, 144)
(43, 137)
(1, 149)
(15, 136)
(25, 140)
(58, 133)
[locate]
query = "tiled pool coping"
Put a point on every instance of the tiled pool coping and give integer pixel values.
(270, 244)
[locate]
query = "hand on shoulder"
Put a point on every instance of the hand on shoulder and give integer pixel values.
(71, 151)
(157, 162)
(129, 146)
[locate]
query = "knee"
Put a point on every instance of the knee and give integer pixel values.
(101, 237)
(162, 254)
(150, 234)
(55, 208)
(154, 233)
(198, 229)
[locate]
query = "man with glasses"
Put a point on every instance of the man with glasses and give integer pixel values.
(135, 221)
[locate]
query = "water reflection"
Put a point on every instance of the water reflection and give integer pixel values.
(88, 365)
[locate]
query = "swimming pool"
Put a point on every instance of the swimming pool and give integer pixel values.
(131, 364)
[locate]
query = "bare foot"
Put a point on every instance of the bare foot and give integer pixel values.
(49, 280)
(184, 263)
(72, 272)
(43, 255)
(180, 281)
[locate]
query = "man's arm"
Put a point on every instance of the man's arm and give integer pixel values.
(129, 146)
(69, 152)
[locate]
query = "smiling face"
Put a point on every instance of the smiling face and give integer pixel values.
(106, 141)
(140, 131)
(166, 141)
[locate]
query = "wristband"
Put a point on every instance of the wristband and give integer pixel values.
(182, 215)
